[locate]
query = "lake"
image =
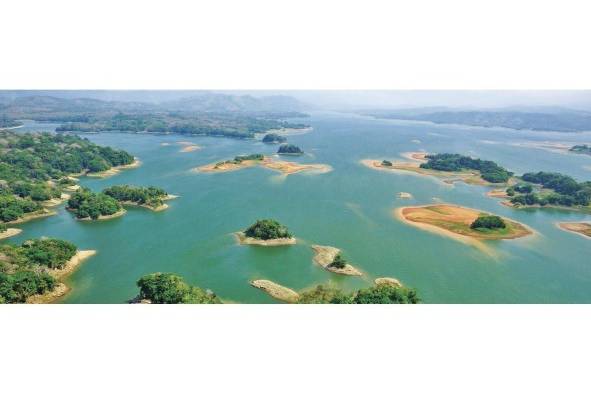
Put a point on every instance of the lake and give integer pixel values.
(349, 208)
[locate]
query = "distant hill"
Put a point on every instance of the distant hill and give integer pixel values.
(552, 119)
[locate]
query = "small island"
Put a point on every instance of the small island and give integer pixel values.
(582, 149)
(289, 149)
(449, 166)
(266, 232)
(150, 197)
(167, 288)
(275, 290)
(274, 138)
(461, 223)
(581, 228)
(285, 167)
(331, 259)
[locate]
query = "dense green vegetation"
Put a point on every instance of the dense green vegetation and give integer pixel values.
(166, 288)
(34, 168)
(24, 268)
(289, 149)
(378, 294)
(88, 204)
(565, 121)
(338, 262)
(519, 188)
(150, 196)
(488, 222)
(489, 170)
(267, 229)
(585, 149)
(386, 163)
(561, 190)
(273, 138)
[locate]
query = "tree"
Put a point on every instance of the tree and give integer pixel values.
(289, 149)
(338, 262)
(488, 222)
(386, 163)
(167, 288)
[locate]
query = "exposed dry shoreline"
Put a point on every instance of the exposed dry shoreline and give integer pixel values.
(581, 228)
(454, 221)
(285, 167)
(105, 217)
(276, 291)
(388, 281)
(10, 232)
(115, 170)
(244, 240)
(61, 289)
(33, 215)
(324, 256)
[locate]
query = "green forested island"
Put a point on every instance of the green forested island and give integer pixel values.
(489, 170)
(166, 288)
(266, 229)
(150, 196)
(87, 204)
(239, 159)
(24, 268)
(377, 294)
(35, 167)
(289, 149)
(584, 149)
(554, 189)
(273, 138)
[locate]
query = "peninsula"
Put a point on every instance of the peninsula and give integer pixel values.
(150, 197)
(581, 228)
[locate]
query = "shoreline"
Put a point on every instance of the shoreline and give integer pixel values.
(276, 291)
(388, 282)
(104, 217)
(324, 256)
(114, 170)
(27, 217)
(242, 239)
(61, 289)
(578, 228)
(10, 232)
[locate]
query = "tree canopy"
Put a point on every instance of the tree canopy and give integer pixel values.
(490, 222)
(377, 294)
(489, 170)
(88, 204)
(273, 138)
(289, 149)
(267, 229)
(167, 288)
(151, 195)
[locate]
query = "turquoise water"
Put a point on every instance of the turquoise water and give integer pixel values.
(350, 208)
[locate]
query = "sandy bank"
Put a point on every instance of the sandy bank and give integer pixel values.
(244, 240)
(498, 193)
(60, 288)
(276, 291)
(454, 221)
(72, 264)
(324, 256)
(56, 201)
(10, 232)
(33, 216)
(188, 146)
(581, 228)
(73, 188)
(105, 217)
(115, 170)
(284, 167)
(388, 281)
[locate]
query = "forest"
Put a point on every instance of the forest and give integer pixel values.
(561, 190)
(267, 229)
(151, 196)
(377, 294)
(167, 288)
(85, 203)
(289, 149)
(489, 170)
(24, 268)
(35, 167)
